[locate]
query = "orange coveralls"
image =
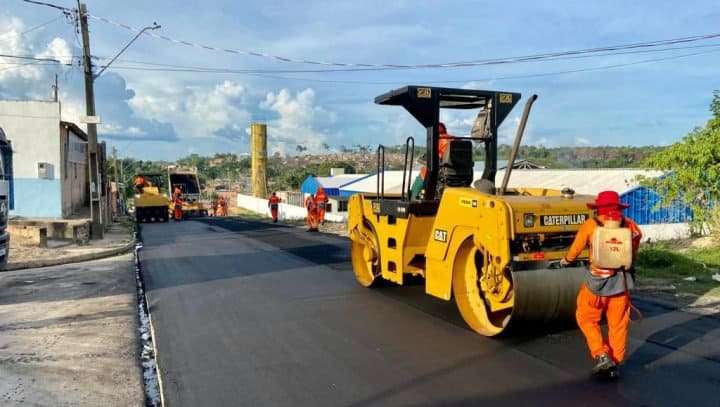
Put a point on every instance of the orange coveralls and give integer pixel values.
(321, 200)
(591, 307)
(274, 204)
(312, 213)
(222, 206)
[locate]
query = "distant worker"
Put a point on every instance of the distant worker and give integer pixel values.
(214, 206)
(222, 206)
(443, 139)
(418, 185)
(613, 241)
(139, 184)
(177, 206)
(177, 191)
(274, 205)
(322, 200)
(312, 215)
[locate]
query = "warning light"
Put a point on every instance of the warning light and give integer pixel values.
(538, 256)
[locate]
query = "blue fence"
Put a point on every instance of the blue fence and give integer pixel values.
(645, 208)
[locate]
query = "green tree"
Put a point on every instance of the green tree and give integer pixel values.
(693, 166)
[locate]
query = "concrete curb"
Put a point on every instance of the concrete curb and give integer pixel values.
(72, 259)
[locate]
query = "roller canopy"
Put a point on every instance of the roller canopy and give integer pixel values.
(424, 102)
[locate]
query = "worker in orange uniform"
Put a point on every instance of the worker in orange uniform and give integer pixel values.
(177, 204)
(605, 290)
(139, 184)
(419, 183)
(274, 205)
(222, 206)
(312, 215)
(214, 206)
(321, 199)
(443, 139)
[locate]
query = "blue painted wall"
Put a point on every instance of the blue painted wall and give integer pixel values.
(37, 198)
(645, 208)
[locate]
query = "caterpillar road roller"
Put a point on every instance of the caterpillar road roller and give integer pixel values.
(494, 250)
(151, 200)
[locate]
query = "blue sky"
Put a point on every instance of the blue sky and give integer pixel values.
(163, 115)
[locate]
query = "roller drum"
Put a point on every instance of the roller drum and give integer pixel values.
(546, 295)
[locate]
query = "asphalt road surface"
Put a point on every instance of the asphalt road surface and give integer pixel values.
(248, 313)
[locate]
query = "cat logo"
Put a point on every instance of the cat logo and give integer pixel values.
(505, 97)
(440, 235)
(424, 93)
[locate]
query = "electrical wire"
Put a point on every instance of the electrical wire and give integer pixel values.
(273, 71)
(29, 58)
(42, 3)
(357, 82)
(457, 64)
(37, 27)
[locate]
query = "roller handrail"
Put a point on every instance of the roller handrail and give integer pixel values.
(411, 150)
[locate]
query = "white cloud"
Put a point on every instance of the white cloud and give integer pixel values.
(300, 121)
(582, 141)
(197, 112)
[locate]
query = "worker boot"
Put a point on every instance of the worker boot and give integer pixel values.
(604, 366)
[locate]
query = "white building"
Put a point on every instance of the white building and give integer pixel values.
(49, 160)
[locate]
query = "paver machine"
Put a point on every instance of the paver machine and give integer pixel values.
(186, 178)
(494, 249)
(151, 201)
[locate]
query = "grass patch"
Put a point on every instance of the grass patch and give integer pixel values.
(665, 263)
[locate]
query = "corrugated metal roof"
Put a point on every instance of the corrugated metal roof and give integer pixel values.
(583, 181)
(393, 184)
(339, 180)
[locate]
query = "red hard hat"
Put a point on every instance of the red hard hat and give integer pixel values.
(607, 199)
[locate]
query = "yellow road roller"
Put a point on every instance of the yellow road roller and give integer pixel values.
(151, 200)
(494, 249)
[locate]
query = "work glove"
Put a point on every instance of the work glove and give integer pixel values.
(564, 262)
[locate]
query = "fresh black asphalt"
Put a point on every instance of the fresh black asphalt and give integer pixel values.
(247, 313)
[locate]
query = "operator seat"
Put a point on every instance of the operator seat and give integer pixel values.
(456, 164)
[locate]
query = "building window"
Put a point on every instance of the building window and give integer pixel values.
(342, 206)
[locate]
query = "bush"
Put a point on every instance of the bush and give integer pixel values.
(655, 257)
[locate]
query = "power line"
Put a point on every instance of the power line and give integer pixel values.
(190, 68)
(30, 58)
(357, 82)
(457, 64)
(41, 3)
(37, 27)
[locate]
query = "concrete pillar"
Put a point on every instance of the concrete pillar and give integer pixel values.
(258, 134)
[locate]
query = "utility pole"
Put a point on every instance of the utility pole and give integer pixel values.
(117, 181)
(96, 227)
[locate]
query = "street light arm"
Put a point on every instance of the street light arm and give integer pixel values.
(155, 26)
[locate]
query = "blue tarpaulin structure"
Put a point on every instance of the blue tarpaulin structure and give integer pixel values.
(331, 185)
(646, 207)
